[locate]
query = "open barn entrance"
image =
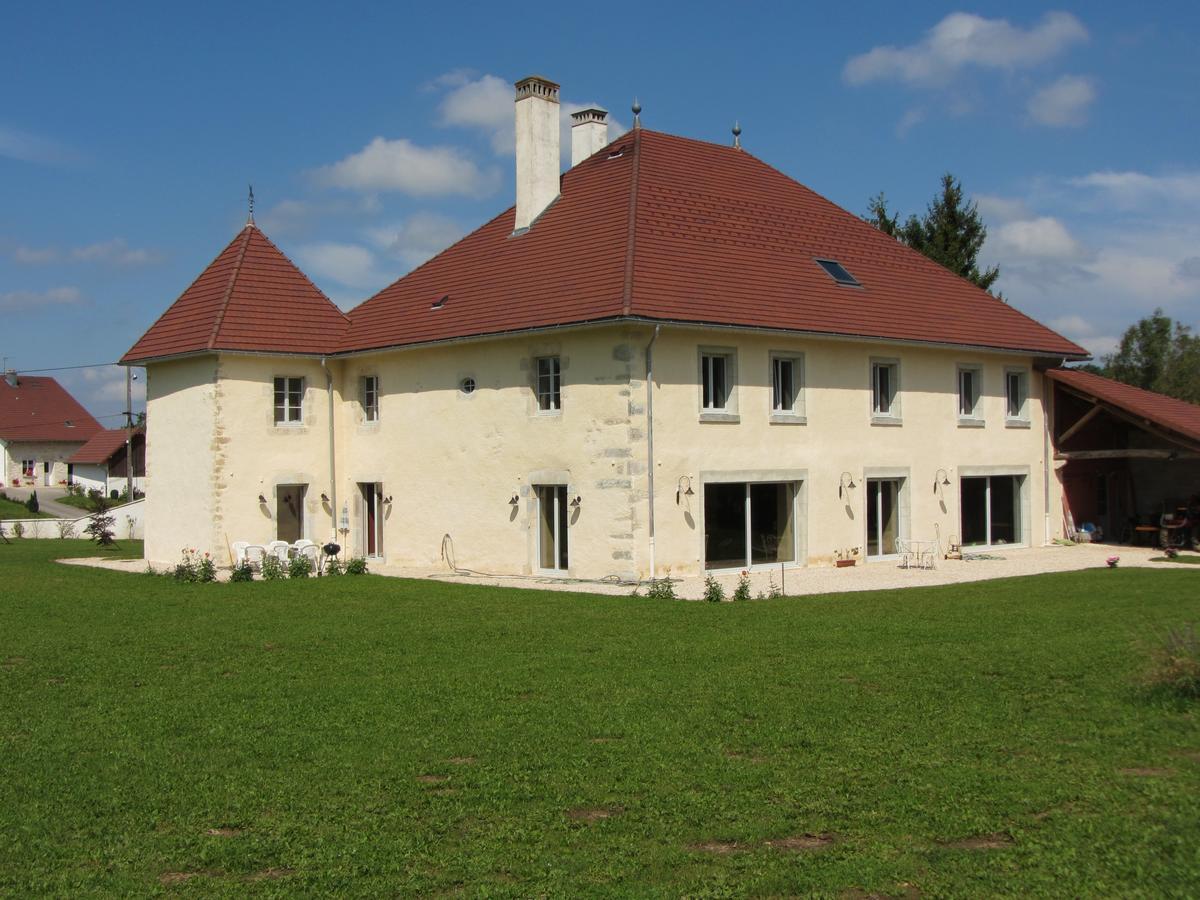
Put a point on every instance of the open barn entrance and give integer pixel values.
(1129, 460)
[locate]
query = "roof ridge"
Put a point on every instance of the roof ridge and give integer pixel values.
(233, 275)
(631, 225)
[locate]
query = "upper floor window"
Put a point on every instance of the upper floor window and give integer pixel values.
(787, 385)
(289, 399)
(549, 384)
(369, 397)
(970, 381)
(885, 388)
(1016, 395)
(716, 381)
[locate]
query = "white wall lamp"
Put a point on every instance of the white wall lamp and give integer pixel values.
(941, 478)
(578, 500)
(845, 483)
(681, 491)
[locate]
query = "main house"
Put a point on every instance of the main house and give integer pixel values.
(670, 358)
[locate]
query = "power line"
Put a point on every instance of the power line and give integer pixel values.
(65, 368)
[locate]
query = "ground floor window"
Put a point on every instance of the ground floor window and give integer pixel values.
(552, 514)
(372, 518)
(27, 467)
(991, 510)
(749, 523)
(883, 516)
(289, 512)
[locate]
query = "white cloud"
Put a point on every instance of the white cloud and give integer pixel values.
(115, 252)
(486, 103)
(1043, 238)
(30, 301)
(1003, 209)
(348, 264)
(961, 40)
(400, 165)
(1132, 189)
(417, 238)
(910, 120)
(104, 390)
(26, 147)
(1063, 103)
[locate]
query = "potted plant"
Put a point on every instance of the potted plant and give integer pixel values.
(846, 557)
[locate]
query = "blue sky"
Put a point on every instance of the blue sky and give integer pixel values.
(375, 135)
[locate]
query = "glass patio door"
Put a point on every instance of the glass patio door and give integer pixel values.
(552, 526)
(883, 516)
(748, 524)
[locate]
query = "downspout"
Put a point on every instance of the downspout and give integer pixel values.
(333, 507)
(650, 439)
(1047, 447)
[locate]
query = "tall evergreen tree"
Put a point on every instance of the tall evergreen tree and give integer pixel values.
(951, 232)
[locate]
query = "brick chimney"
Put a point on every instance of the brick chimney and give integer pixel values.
(589, 133)
(538, 164)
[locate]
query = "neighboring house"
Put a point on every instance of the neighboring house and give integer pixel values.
(671, 358)
(100, 463)
(41, 425)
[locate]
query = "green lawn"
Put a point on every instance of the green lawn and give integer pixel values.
(79, 502)
(11, 509)
(375, 736)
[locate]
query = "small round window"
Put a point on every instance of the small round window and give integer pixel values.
(467, 385)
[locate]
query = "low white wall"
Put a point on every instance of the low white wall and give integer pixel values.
(129, 523)
(90, 476)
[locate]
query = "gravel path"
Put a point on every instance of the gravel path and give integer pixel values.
(797, 582)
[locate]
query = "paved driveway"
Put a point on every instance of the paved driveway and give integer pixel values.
(47, 500)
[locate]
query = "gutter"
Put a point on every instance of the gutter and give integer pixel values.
(650, 439)
(333, 507)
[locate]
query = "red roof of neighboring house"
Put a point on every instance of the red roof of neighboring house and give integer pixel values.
(1178, 416)
(38, 409)
(662, 227)
(652, 227)
(251, 297)
(102, 446)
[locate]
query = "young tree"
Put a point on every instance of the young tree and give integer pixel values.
(1158, 354)
(951, 233)
(100, 525)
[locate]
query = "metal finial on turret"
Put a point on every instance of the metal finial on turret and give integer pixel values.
(250, 218)
(637, 113)
(737, 135)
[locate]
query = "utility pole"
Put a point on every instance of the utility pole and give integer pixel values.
(128, 434)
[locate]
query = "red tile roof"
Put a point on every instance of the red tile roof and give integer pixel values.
(1178, 416)
(666, 228)
(251, 297)
(102, 446)
(38, 409)
(653, 227)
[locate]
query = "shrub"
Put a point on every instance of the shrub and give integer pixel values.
(300, 566)
(661, 589)
(243, 571)
(206, 570)
(356, 566)
(773, 591)
(32, 503)
(66, 529)
(742, 591)
(18, 530)
(1175, 666)
(100, 525)
(713, 592)
(272, 568)
(187, 569)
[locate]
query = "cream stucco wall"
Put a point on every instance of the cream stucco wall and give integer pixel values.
(54, 452)
(451, 461)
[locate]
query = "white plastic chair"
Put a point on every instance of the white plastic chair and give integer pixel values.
(302, 543)
(279, 549)
(309, 549)
(239, 551)
(254, 555)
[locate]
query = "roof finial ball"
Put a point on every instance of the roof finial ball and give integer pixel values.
(737, 135)
(637, 113)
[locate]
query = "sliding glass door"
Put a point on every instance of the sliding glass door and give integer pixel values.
(990, 508)
(883, 516)
(749, 523)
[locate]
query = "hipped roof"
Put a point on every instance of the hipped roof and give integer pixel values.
(40, 409)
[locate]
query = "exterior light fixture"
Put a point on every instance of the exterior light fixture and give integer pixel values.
(515, 501)
(576, 501)
(681, 491)
(940, 478)
(845, 483)
(387, 499)
(262, 499)
(324, 497)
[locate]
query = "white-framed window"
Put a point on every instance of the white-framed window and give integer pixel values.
(885, 389)
(1016, 396)
(549, 384)
(289, 400)
(970, 390)
(787, 386)
(368, 393)
(718, 371)
(27, 467)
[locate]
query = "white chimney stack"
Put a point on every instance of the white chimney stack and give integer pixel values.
(538, 164)
(589, 133)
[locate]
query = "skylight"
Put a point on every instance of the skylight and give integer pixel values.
(837, 272)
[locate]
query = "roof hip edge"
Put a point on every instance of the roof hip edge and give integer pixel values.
(233, 276)
(631, 225)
